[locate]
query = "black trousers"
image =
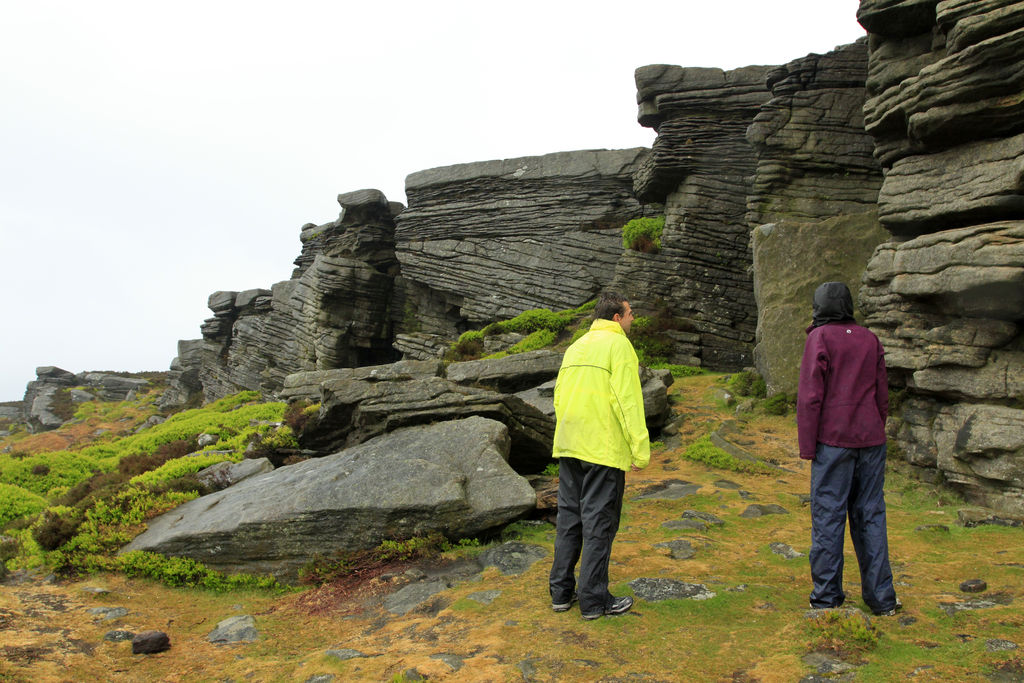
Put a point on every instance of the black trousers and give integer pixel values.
(589, 507)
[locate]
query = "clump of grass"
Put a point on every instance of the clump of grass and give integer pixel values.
(747, 383)
(702, 450)
(778, 404)
(847, 633)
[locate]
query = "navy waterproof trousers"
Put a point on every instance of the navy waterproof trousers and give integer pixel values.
(848, 482)
(589, 507)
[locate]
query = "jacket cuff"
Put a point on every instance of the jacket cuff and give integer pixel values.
(807, 457)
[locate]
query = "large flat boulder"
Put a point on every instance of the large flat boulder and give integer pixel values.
(451, 478)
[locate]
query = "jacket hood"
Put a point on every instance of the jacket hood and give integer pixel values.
(832, 304)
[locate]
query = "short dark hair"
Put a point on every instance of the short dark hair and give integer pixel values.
(609, 304)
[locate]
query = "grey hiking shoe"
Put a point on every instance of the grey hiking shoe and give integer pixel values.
(564, 606)
(617, 606)
(891, 612)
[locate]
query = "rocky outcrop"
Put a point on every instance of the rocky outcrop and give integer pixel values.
(699, 169)
(945, 296)
(336, 311)
(359, 404)
(50, 398)
(451, 478)
(486, 241)
(813, 204)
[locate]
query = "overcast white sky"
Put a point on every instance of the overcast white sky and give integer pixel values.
(153, 153)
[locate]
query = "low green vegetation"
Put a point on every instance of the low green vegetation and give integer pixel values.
(71, 511)
(702, 450)
(188, 573)
(747, 383)
(845, 633)
(643, 234)
(543, 329)
(366, 563)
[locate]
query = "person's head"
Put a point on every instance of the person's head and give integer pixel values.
(832, 303)
(613, 306)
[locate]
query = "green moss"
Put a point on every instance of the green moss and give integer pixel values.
(535, 340)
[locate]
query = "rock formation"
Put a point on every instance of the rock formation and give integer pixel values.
(812, 206)
(49, 399)
(335, 311)
(699, 168)
(488, 240)
(947, 293)
(451, 478)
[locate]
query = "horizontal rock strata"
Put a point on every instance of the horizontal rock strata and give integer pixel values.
(489, 240)
(945, 297)
(699, 168)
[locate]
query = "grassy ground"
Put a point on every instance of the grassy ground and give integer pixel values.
(755, 628)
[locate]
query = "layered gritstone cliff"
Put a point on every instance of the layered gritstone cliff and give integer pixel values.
(812, 206)
(335, 311)
(946, 296)
(699, 168)
(486, 241)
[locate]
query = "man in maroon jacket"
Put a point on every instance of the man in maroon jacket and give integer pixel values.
(842, 403)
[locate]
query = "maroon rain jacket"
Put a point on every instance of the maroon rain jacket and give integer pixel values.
(843, 396)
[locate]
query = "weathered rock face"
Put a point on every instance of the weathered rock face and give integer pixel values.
(358, 404)
(336, 311)
(945, 296)
(790, 260)
(451, 478)
(486, 241)
(813, 200)
(699, 168)
(54, 386)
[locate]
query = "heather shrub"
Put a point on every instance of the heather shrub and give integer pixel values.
(42, 472)
(16, 501)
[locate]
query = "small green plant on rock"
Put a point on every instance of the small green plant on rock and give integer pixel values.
(643, 234)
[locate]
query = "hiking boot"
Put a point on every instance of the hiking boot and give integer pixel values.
(564, 606)
(891, 612)
(617, 606)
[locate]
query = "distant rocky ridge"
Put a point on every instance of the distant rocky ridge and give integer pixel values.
(946, 295)
(41, 395)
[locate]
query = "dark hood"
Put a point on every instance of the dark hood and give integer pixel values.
(832, 304)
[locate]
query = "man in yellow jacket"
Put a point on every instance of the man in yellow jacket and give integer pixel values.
(600, 433)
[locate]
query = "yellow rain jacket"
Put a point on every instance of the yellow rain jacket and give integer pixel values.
(599, 404)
